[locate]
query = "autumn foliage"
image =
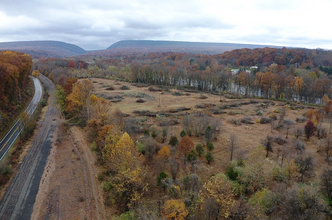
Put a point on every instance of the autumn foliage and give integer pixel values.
(186, 145)
(175, 209)
(14, 70)
(309, 129)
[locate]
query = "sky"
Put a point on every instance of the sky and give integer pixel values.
(95, 25)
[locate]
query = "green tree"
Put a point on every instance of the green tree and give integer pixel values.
(61, 97)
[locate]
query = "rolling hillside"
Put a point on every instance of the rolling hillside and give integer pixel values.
(177, 46)
(38, 49)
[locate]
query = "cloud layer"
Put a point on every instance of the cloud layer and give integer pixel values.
(98, 24)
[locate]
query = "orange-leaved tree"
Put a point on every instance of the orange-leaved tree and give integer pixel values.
(186, 145)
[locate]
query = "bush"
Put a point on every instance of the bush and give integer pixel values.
(94, 147)
(265, 120)
(279, 140)
(106, 186)
(173, 141)
(146, 132)
(199, 149)
(231, 171)
(43, 103)
(192, 155)
(209, 157)
(141, 147)
(183, 133)
(278, 174)
(210, 146)
(162, 175)
(124, 87)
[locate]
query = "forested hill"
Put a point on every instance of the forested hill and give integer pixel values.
(38, 49)
(176, 46)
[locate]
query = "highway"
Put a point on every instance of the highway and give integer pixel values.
(14, 132)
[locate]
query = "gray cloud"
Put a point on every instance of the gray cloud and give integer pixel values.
(98, 24)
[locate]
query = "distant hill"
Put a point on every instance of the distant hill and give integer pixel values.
(38, 49)
(176, 46)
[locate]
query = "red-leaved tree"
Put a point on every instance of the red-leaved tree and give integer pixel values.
(309, 129)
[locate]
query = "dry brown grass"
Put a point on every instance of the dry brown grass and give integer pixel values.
(249, 136)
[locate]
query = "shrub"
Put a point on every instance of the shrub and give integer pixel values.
(124, 87)
(231, 171)
(209, 157)
(146, 132)
(192, 155)
(162, 175)
(141, 147)
(210, 146)
(199, 149)
(106, 186)
(183, 133)
(173, 141)
(279, 140)
(265, 120)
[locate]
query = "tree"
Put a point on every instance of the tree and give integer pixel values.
(208, 134)
(209, 157)
(232, 145)
(60, 97)
(328, 148)
(186, 145)
(219, 189)
(173, 141)
(326, 182)
(183, 133)
(267, 144)
(314, 116)
(299, 146)
(128, 179)
(303, 202)
(35, 73)
(305, 166)
(288, 124)
(175, 209)
(79, 100)
(309, 129)
(199, 149)
(210, 146)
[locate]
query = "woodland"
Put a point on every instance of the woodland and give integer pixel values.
(181, 162)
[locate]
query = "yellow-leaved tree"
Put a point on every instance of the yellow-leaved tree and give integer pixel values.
(219, 188)
(127, 177)
(175, 209)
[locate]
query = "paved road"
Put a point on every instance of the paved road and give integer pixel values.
(14, 132)
(20, 196)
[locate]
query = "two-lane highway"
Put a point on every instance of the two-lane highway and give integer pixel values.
(14, 132)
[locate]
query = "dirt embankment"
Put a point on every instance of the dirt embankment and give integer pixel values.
(69, 188)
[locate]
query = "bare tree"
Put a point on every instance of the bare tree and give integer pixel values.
(303, 203)
(326, 182)
(328, 147)
(299, 146)
(288, 124)
(232, 144)
(267, 144)
(299, 131)
(305, 166)
(282, 116)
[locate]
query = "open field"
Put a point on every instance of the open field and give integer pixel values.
(249, 136)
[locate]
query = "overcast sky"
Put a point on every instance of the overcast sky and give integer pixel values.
(98, 24)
